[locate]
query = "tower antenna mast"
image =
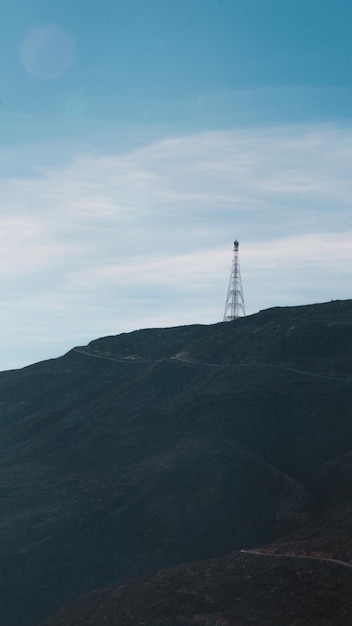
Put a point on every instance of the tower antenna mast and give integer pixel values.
(234, 307)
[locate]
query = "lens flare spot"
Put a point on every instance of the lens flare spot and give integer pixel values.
(75, 105)
(47, 51)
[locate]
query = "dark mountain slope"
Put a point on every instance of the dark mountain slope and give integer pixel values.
(164, 446)
(237, 590)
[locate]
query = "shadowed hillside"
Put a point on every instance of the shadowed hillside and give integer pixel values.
(236, 590)
(166, 446)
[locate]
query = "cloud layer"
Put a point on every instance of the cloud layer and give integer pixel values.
(112, 242)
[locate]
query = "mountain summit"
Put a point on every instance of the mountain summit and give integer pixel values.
(162, 447)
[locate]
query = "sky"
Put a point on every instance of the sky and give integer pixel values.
(139, 138)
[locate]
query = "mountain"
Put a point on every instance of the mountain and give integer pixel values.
(164, 447)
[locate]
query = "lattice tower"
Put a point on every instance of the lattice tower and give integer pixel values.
(234, 307)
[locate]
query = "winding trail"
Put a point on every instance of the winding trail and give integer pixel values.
(110, 358)
(299, 556)
(216, 365)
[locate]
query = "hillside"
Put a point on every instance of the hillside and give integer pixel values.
(168, 446)
(235, 590)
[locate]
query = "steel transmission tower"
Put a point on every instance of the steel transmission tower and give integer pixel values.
(234, 307)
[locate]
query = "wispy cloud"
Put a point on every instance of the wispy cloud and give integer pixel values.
(144, 237)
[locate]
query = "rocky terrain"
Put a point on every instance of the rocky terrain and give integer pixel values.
(236, 590)
(165, 447)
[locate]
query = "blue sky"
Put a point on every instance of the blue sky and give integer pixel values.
(138, 139)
